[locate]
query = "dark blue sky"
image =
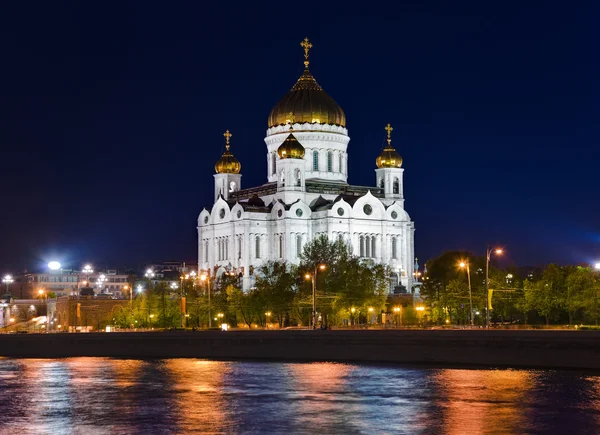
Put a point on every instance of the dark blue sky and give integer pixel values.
(112, 117)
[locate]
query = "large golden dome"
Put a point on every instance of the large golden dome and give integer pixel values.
(291, 148)
(307, 101)
(389, 157)
(228, 164)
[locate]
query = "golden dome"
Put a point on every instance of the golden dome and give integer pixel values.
(389, 157)
(291, 148)
(307, 101)
(228, 164)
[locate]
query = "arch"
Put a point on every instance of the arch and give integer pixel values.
(329, 161)
(297, 178)
(396, 186)
(232, 186)
(257, 246)
(367, 246)
(315, 160)
(362, 246)
(373, 247)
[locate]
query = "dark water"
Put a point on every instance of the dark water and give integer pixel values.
(108, 396)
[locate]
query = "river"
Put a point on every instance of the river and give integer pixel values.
(112, 396)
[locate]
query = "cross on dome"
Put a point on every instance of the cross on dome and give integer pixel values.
(389, 129)
(227, 135)
(307, 46)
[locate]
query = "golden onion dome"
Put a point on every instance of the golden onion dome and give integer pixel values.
(307, 101)
(228, 164)
(389, 157)
(291, 148)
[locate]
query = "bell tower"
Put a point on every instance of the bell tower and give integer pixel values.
(227, 178)
(389, 172)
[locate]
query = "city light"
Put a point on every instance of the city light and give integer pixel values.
(420, 308)
(87, 269)
(597, 266)
(54, 265)
(139, 289)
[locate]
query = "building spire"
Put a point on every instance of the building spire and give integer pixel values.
(227, 137)
(306, 45)
(389, 129)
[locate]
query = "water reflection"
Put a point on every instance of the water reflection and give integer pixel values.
(100, 395)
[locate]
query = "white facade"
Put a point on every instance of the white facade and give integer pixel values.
(302, 199)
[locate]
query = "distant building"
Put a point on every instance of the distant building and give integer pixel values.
(68, 282)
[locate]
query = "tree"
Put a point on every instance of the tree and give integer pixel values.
(275, 285)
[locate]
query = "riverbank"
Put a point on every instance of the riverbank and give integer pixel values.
(469, 348)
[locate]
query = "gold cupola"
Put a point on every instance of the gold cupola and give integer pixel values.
(389, 158)
(291, 148)
(228, 164)
(307, 101)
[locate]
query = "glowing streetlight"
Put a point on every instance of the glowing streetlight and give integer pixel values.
(54, 265)
(398, 312)
(488, 306)
(139, 289)
(597, 266)
(8, 280)
(313, 278)
(462, 265)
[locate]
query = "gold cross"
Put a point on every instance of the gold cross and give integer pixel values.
(227, 137)
(389, 129)
(307, 46)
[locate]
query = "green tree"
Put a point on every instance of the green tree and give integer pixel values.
(276, 285)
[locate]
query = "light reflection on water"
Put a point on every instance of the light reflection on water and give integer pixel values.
(112, 396)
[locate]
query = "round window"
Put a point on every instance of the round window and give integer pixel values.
(340, 211)
(367, 209)
(394, 215)
(205, 219)
(280, 212)
(222, 213)
(299, 212)
(239, 214)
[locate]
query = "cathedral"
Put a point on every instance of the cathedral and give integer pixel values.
(306, 194)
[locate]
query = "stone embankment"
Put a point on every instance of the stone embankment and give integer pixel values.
(464, 348)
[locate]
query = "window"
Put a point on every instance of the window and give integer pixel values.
(362, 246)
(298, 245)
(239, 247)
(394, 255)
(315, 160)
(340, 162)
(373, 251)
(280, 246)
(396, 186)
(329, 161)
(273, 165)
(206, 252)
(226, 249)
(257, 247)
(382, 184)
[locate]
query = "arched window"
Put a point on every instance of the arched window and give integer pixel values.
(367, 246)
(396, 186)
(362, 246)
(315, 160)
(257, 246)
(206, 251)
(297, 177)
(382, 183)
(239, 247)
(226, 249)
(373, 251)
(298, 245)
(273, 164)
(340, 169)
(232, 186)
(280, 246)
(329, 161)
(394, 253)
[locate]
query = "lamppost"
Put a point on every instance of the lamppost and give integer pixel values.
(420, 310)
(462, 265)
(181, 298)
(314, 291)
(87, 271)
(488, 253)
(173, 287)
(352, 310)
(205, 277)
(398, 311)
(8, 280)
(370, 315)
(101, 279)
(268, 316)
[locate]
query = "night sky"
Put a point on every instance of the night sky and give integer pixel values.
(112, 117)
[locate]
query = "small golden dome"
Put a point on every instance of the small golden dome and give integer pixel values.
(291, 148)
(389, 157)
(307, 101)
(228, 164)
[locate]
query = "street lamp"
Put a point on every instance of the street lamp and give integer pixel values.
(314, 291)
(205, 277)
(488, 253)
(352, 310)
(398, 312)
(268, 315)
(8, 280)
(87, 271)
(462, 265)
(370, 314)
(597, 266)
